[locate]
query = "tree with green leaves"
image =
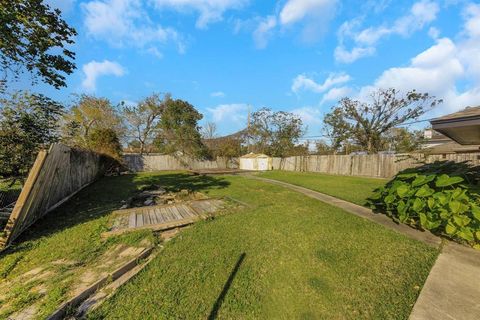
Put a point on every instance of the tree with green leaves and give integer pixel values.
(143, 119)
(105, 141)
(35, 38)
(275, 133)
(89, 113)
(402, 140)
(28, 122)
(366, 124)
(179, 130)
(323, 148)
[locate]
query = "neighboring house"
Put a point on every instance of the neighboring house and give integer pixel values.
(437, 143)
(458, 132)
(433, 138)
(256, 161)
(462, 127)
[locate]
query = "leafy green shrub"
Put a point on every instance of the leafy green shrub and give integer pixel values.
(428, 199)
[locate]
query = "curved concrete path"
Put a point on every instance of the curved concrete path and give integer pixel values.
(452, 289)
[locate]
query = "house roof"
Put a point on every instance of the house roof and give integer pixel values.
(467, 113)
(462, 126)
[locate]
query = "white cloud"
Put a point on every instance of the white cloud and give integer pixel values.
(209, 10)
(435, 71)
(264, 31)
(218, 94)
(302, 82)
(421, 14)
(314, 14)
(309, 115)
(472, 17)
(470, 48)
(233, 113)
(126, 22)
(154, 51)
(94, 69)
(296, 10)
(438, 71)
(336, 94)
(345, 56)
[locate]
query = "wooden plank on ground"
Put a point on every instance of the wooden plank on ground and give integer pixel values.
(159, 215)
(146, 218)
(139, 220)
(132, 220)
(176, 213)
(155, 227)
(186, 211)
(153, 217)
(168, 214)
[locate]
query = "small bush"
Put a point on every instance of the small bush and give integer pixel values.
(433, 200)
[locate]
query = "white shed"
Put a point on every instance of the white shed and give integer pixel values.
(256, 161)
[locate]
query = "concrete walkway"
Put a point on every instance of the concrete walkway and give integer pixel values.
(452, 289)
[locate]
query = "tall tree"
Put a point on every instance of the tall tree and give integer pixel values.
(209, 131)
(34, 38)
(179, 130)
(367, 123)
(28, 122)
(275, 133)
(90, 113)
(143, 119)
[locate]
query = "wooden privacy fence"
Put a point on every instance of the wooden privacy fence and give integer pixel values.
(56, 175)
(153, 162)
(375, 165)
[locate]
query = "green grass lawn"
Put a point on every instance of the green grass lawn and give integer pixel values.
(70, 233)
(353, 189)
(286, 256)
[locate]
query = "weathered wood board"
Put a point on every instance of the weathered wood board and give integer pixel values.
(163, 217)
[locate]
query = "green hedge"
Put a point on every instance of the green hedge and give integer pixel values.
(439, 197)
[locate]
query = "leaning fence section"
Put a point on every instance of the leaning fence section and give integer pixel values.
(56, 175)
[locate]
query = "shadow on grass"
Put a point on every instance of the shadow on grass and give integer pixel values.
(221, 297)
(177, 181)
(102, 197)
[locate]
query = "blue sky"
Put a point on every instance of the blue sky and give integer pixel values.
(295, 55)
